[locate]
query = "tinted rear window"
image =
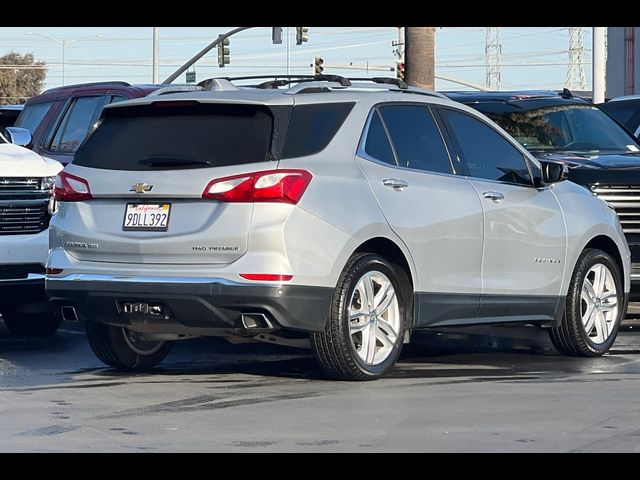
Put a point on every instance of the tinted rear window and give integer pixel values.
(313, 126)
(176, 137)
(32, 115)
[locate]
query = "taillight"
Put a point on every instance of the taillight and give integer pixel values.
(69, 188)
(282, 186)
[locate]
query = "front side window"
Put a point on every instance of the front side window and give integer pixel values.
(75, 125)
(487, 153)
(416, 138)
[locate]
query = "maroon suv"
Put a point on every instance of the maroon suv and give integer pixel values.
(60, 118)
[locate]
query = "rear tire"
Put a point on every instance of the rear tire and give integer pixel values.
(365, 330)
(125, 350)
(41, 324)
(594, 307)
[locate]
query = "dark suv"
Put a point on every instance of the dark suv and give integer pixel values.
(601, 155)
(60, 118)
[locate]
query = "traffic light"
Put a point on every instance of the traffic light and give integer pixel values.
(302, 35)
(400, 70)
(223, 53)
(317, 65)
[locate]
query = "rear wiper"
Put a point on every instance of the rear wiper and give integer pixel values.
(158, 161)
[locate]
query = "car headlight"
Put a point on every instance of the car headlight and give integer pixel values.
(46, 183)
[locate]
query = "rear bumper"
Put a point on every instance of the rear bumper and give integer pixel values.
(190, 302)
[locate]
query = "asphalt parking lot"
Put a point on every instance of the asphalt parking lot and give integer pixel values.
(457, 390)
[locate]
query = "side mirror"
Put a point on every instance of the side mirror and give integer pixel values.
(19, 136)
(552, 172)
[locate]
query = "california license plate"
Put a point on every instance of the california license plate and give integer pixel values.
(147, 217)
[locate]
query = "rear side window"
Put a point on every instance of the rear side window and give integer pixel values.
(313, 126)
(377, 145)
(488, 154)
(172, 137)
(75, 125)
(416, 138)
(32, 115)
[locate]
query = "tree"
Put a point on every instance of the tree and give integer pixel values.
(420, 53)
(21, 77)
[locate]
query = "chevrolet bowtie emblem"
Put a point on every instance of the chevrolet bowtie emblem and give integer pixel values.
(141, 188)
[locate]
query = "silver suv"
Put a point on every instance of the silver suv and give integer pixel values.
(321, 212)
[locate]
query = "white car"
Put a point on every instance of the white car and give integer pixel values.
(26, 205)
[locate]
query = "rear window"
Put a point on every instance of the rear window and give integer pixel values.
(313, 126)
(172, 137)
(32, 116)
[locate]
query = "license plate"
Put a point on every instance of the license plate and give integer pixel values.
(147, 217)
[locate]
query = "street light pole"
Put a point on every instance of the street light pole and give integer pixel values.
(63, 42)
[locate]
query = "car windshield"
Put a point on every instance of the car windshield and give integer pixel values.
(574, 128)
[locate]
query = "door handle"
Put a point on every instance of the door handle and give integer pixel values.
(495, 196)
(395, 183)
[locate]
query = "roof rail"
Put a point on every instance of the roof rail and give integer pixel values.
(317, 83)
(312, 87)
(398, 82)
(283, 80)
(174, 89)
(91, 84)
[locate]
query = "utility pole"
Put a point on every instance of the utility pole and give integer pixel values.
(156, 55)
(492, 52)
(398, 45)
(420, 56)
(599, 72)
(575, 70)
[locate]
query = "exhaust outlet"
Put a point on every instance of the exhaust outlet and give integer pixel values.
(69, 313)
(256, 321)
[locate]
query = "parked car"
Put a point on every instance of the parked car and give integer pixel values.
(8, 115)
(600, 154)
(346, 216)
(626, 111)
(26, 205)
(60, 118)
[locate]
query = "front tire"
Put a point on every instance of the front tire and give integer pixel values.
(123, 349)
(594, 307)
(30, 324)
(364, 333)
